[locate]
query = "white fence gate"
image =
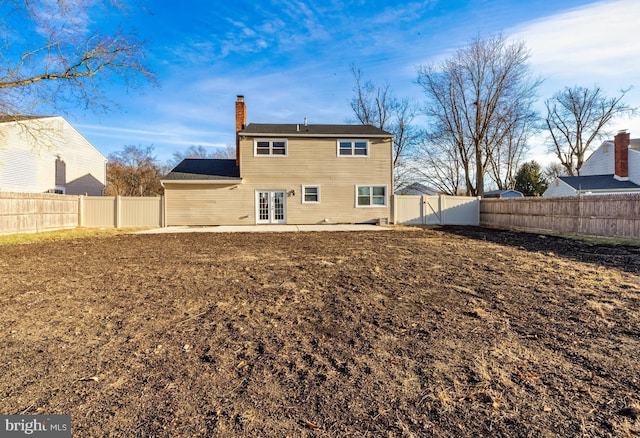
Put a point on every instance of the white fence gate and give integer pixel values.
(436, 210)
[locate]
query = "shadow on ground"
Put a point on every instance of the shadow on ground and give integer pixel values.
(625, 257)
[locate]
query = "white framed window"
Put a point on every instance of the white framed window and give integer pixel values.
(353, 148)
(310, 194)
(371, 196)
(270, 147)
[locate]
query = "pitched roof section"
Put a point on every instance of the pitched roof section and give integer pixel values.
(598, 182)
(415, 188)
(204, 169)
(301, 130)
(20, 118)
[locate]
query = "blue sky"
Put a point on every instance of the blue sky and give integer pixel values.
(292, 59)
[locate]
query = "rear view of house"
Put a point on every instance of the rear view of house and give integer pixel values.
(287, 174)
(47, 154)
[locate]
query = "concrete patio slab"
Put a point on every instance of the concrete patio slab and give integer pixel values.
(264, 229)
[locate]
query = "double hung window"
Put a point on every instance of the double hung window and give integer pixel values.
(310, 194)
(353, 148)
(371, 196)
(277, 147)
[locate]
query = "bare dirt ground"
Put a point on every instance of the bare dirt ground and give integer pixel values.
(448, 332)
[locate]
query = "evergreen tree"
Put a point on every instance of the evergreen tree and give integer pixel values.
(529, 179)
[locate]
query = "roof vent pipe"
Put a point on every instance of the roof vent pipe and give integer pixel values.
(305, 121)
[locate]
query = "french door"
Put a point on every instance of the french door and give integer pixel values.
(270, 207)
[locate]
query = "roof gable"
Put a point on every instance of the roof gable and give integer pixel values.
(20, 118)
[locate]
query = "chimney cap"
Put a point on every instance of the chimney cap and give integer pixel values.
(622, 131)
(240, 97)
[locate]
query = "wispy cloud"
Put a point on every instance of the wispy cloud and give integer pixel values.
(594, 42)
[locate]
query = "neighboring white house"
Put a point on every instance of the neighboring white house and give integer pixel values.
(416, 188)
(613, 168)
(47, 154)
(503, 194)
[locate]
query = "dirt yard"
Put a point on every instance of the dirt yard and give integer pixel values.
(448, 332)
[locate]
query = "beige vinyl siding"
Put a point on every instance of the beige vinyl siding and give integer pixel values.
(208, 204)
(315, 162)
(312, 162)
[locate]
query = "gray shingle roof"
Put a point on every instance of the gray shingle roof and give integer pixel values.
(597, 182)
(416, 188)
(257, 129)
(200, 169)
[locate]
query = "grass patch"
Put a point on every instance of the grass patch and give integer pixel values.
(74, 233)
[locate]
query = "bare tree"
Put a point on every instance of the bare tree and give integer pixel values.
(377, 106)
(439, 164)
(481, 99)
(578, 116)
(52, 54)
(133, 171)
(554, 170)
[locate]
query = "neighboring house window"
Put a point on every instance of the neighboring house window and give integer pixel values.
(271, 147)
(371, 196)
(353, 148)
(310, 194)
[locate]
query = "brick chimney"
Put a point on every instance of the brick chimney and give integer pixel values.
(241, 122)
(621, 155)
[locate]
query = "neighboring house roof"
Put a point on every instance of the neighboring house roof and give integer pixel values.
(503, 194)
(19, 118)
(204, 169)
(416, 189)
(598, 182)
(301, 130)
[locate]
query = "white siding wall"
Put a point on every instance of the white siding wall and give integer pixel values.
(634, 166)
(28, 153)
(559, 188)
(600, 162)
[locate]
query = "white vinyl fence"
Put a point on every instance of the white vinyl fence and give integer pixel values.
(436, 210)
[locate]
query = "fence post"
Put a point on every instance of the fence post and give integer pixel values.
(80, 210)
(441, 208)
(163, 217)
(117, 211)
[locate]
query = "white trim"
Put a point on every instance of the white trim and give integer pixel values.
(317, 186)
(386, 196)
(270, 141)
(353, 142)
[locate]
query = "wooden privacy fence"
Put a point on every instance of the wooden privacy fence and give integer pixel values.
(121, 212)
(436, 210)
(598, 215)
(33, 212)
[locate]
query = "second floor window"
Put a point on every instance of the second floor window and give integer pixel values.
(271, 147)
(358, 148)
